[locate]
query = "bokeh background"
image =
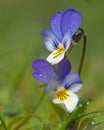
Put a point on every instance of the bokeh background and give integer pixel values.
(21, 42)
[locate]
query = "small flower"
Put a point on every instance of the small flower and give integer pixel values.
(63, 86)
(65, 93)
(58, 39)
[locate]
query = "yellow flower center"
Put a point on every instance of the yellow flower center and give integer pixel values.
(62, 94)
(60, 50)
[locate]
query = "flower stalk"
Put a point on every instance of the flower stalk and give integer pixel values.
(83, 51)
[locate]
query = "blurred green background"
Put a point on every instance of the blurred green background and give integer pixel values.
(21, 42)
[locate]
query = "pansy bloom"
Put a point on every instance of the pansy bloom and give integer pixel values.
(58, 39)
(61, 86)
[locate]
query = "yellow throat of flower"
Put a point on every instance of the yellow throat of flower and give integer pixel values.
(62, 94)
(60, 51)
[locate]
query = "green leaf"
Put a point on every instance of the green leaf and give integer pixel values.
(83, 123)
(81, 110)
(78, 113)
(99, 118)
(60, 111)
(91, 120)
(2, 124)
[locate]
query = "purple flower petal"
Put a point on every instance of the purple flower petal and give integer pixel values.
(41, 77)
(64, 68)
(43, 71)
(71, 20)
(56, 25)
(76, 87)
(71, 79)
(50, 41)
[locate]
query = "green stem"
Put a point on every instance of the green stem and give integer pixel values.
(66, 122)
(3, 123)
(76, 38)
(83, 54)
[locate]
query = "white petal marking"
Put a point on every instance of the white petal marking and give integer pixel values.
(56, 56)
(76, 87)
(49, 44)
(71, 103)
(56, 101)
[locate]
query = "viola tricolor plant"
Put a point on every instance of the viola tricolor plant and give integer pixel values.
(62, 84)
(58, 40)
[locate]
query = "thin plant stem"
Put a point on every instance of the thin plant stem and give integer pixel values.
(83, 52)
(3, 123)
(76, 38)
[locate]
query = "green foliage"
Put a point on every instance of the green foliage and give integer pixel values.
(22, 105)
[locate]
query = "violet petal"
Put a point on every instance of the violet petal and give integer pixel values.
(71, 79)
(76, 87)
(50, 41)
(71, 20)
(44, 71)
(56, 25)
(64, 68)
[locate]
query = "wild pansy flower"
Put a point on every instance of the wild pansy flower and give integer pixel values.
(58, 39)
(61, 86)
